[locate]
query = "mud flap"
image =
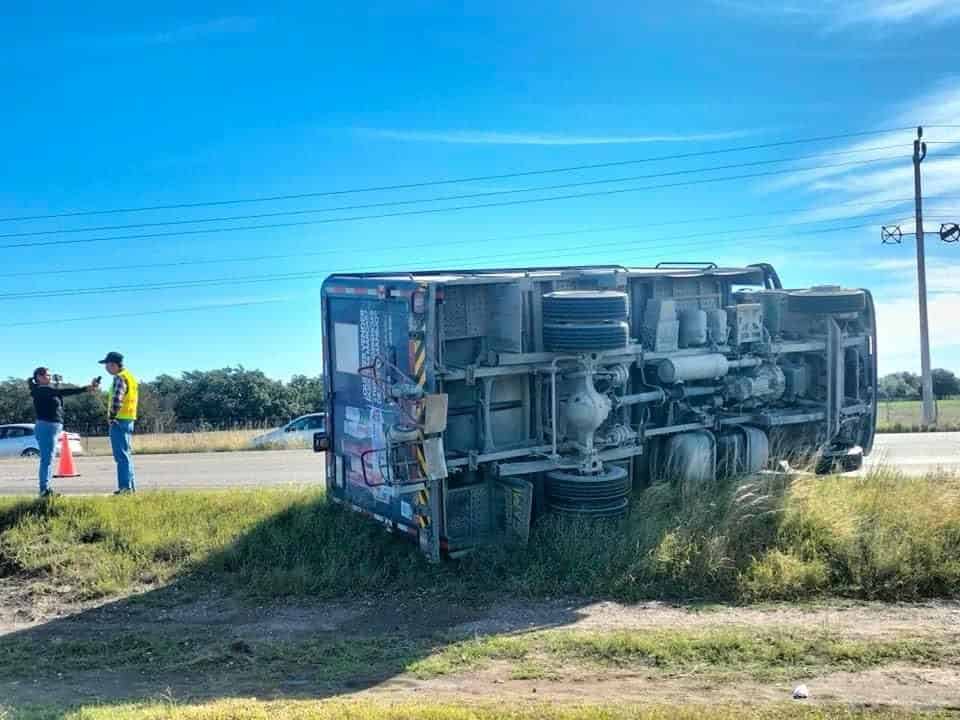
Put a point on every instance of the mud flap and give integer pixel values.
(514, 503)
(435, 414)
(428, 517)
(434, 458)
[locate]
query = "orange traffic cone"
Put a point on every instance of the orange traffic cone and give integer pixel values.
(66, 468)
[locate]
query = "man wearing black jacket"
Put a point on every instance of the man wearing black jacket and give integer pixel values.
(48, 405)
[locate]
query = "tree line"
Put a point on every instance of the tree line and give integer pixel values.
(906, 385)
(237, 397)
(197, 400)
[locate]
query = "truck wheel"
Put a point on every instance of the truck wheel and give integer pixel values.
(601, 495)
(30, 452)
(585, 337)
(834, 464)
(574, 306)
(826, 300)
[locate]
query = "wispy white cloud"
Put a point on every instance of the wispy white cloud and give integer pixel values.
(891, 265)
(895, 292)
(887, 184)
(900, 275)
(898, 332)
(835, 14)
(482, 137)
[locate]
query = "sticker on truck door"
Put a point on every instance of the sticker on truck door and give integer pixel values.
(354, 423)
(347, 347)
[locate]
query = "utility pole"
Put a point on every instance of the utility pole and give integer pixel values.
(926, 385)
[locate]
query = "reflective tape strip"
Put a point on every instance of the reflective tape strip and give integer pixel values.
(419, 361)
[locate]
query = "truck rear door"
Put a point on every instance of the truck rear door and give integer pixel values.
(367, 330)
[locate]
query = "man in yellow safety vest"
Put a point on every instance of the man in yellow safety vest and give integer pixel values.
(122, 412)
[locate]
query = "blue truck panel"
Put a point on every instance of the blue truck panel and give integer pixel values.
(371, 329)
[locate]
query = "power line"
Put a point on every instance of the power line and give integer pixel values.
(529, 236)
(467, 196)
(451, 181)
(430, 211)
(213, 282)
(194, 308)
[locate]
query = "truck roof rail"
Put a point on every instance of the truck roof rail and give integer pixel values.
(702, 265)
(770, 276)
(482, 271)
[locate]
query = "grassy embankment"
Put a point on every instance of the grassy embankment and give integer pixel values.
(883, 536)
(213, 441)
(903, 416)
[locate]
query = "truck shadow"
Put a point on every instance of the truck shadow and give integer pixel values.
(202, 636)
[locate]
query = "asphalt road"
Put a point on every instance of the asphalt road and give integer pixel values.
(911, 453)
(185, 471)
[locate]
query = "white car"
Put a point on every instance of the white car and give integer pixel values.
(19, 440)
(295, 432)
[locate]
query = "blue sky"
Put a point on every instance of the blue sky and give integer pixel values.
(114, 106)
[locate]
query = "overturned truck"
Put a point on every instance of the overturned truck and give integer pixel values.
(462, 404)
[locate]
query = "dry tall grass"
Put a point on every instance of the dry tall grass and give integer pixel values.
(882, 536)
(160, 443)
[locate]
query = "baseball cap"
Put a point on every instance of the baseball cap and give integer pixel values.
(112, 357)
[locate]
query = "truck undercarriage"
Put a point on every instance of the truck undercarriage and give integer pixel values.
(462, 404)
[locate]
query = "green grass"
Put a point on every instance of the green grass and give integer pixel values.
(427, 710)
(99, 546)
(879, 537)
(903, 416)
(206, 654)
(760, 653)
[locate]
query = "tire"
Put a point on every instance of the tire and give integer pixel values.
(601, 495)
(30, 452)
(827, 300)
(575, 306)
(585, 337)
(839, 463)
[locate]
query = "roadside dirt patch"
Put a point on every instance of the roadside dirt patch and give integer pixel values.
(21, 608)
(915, 688)
(40, 618)
(851, 619)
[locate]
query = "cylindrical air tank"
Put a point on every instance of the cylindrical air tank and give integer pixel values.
(693, 327)
(717, 325)
(696, 367)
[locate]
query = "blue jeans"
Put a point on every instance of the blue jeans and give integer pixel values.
(121, 437)
(47, 434)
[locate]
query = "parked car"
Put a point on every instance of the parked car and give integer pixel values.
(19, 440)
(296, 432)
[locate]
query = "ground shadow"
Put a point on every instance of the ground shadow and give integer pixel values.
(203, 636)
(359, 608)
